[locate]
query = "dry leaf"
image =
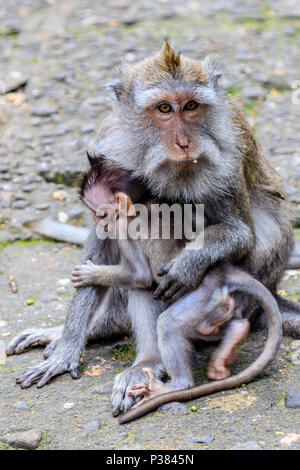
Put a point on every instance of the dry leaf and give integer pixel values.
(93, 372)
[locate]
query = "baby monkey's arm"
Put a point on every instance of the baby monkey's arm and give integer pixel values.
(133, 270)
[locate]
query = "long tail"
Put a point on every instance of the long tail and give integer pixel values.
(238, 281)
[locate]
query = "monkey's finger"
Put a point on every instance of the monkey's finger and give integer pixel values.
(165, 269)
(128, 402)
(27, 373)
(170, 292)
(137, 387)
(177, 295)
(10, 350)
(75, 373)
(117, 399)
(31, 378)
(49, 349)
(165, 284)
(25, 344)
(140, 392)
(47, 376)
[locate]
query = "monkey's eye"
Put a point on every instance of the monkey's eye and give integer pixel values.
(165, 108)
(191, 105)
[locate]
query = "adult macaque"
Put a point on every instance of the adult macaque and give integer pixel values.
(173, 126)
(206, 313)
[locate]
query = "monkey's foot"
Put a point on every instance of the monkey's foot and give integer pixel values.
(154, 388)
(291, 324)
(40, 336)
(124, 383)
(84, 274)
(217, 370)
(41, 374)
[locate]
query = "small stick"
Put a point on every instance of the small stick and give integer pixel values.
(13, 285)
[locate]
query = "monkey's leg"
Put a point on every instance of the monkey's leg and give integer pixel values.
(176, 327)
(143, 311)
(85, 302)
(225, 354)
(111, 319)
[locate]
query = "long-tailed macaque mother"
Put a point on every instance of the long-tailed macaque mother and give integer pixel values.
(173, 126)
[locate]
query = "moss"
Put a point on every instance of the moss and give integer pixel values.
(294, 296)
(33, 241)
(8, 34)
(281, 398)
(125, 352)
(5, 446)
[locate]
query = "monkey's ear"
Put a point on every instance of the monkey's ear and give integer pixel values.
(214, 75)
(117, 89)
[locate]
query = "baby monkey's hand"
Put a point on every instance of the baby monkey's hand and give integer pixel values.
(154, 388)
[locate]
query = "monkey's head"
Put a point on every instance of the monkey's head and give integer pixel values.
(173, 124)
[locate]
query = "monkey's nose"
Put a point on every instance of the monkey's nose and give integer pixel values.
(183, 143)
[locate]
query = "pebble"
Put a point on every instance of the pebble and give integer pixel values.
(292, 399)
(28, 188)
(42, 207)
(69, 405)
(6, 176)
(43, 111)
(20, 204)
(249, 445)
(93, 425)
(29, 440)
(64, 282)
(4, 168)
(62, 217)
(21, 406)
(76, 212)
(174, 407)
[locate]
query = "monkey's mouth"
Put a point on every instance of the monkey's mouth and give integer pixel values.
(185, 162)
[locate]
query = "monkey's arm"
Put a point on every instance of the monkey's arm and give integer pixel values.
(85, 301)
(228, 240)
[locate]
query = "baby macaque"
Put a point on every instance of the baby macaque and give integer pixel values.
(206, 313)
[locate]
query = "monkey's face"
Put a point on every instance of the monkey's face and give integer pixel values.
(175, 115)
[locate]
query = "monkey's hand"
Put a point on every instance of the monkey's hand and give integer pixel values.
(180, 276)
(84, 274)
(154, 388)
(124, 382)
(57, 364)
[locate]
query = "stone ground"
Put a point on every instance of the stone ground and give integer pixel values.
(55, 60)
